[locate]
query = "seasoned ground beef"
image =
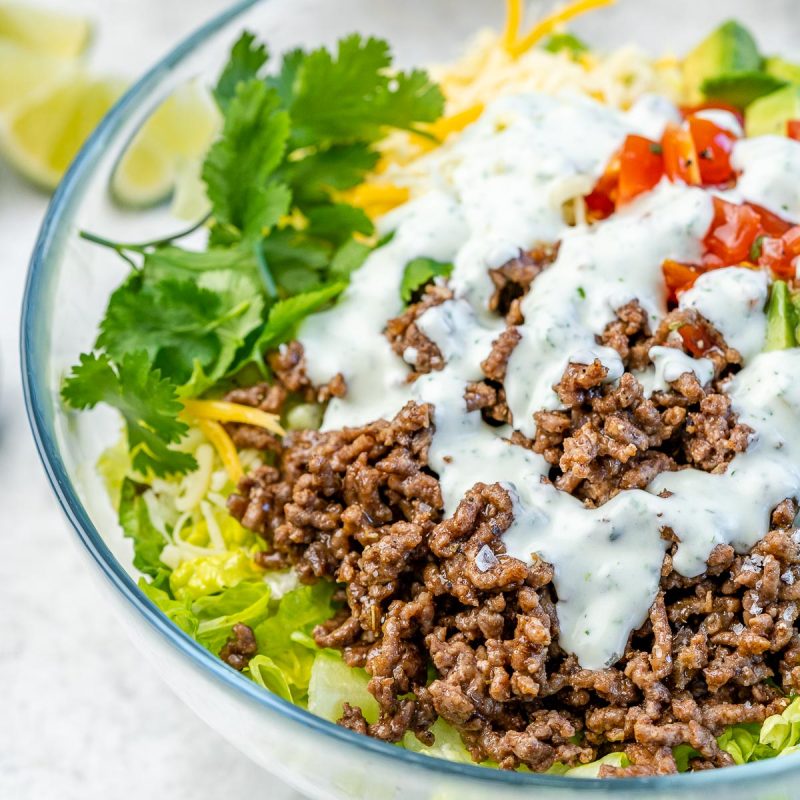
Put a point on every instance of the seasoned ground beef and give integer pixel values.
(447, 624)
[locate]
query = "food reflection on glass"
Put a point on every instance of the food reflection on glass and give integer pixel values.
(473, 423)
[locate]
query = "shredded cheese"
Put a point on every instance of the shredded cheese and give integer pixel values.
(514, 13)
(222, 411)
(551, 22)
(224, 446)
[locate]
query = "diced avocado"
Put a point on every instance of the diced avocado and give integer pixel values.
(730, 48)
(740, 88)
(769, 115)
(781, 320)
(785, 70)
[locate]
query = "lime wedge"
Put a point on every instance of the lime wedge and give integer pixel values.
(177, 134)
(44, 31)
(23, 73)
(41, 135)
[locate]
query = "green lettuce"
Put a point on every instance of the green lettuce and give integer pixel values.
(211, 574)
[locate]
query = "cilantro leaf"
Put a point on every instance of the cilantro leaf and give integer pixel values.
(419, 272)
(239, 164)
(245, 62)
(286, 315)
(337, 222)
(560, 42)
(352, 96)
(147, 402)
(315, 174)
(148, 542)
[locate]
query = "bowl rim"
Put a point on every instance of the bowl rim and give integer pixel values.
(37, 395)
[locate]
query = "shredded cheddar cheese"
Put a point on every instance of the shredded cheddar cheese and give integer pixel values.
(223, 444)
(222, 411)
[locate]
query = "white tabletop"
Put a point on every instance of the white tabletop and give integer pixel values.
(82, 715)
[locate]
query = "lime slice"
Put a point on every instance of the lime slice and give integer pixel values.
(44, 31)
(41, 136)
(175, 137)
(23, 73)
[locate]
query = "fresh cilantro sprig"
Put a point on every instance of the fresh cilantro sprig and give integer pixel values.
(281, 241)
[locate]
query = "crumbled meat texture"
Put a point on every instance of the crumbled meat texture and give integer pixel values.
(361, 507)
(514, 278)
(611, 437)
(406, 338)
(240, 647)
(289, 366)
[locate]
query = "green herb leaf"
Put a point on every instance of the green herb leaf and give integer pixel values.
(419, 272)
(286, 315)
(240, 163)
(781, 319)
(148, 403)
(245, 63)
(561, 42)
(353, 96)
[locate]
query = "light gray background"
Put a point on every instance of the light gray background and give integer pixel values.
(82, 715)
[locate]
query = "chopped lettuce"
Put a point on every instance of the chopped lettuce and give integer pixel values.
(148, 541)
(334, 683)
(246, 603)
(209, 574)
(178, 611)
(284, 636)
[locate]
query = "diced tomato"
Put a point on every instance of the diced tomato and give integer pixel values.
(775, 256)
(716, 105)
(678, 278)
(793, 129)
(792, 240)
(696, 339)
(772, 224)
(714, 146)
(641, 167)
(603, 199)
(732, 232)
(680, 155)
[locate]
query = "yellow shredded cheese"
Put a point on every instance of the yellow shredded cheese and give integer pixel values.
(377, 199)
(442, 128)
(514, 13)
(222, 411)
(222, 443)
(551, 22)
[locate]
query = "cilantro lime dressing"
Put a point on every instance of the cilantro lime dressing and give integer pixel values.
(733, 301)
(348, 339)
(490, 193)
(598, 270)
(770, 174)
(669, 364)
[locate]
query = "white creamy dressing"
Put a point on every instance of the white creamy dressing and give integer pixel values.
(733, 301)
(486, 195)
(669, 364)
(770, 167)
(599, 269)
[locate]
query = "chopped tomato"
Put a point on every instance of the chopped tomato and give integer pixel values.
(716, 105)
(772, 224)
(714, 146)
(641, 167)
(603, 199)
(792, 240)
(733, 232)
(678, 277)
(775, 256)
(696, 339)
(680, 155)
(793, 129)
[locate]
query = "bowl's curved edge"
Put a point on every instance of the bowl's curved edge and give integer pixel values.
(32, 341)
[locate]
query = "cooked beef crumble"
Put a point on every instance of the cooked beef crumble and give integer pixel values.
(360, 506)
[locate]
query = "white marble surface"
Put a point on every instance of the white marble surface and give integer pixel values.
(82, 715)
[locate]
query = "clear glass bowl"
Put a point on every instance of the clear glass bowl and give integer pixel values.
(69, 283)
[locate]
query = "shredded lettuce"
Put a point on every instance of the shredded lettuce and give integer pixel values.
(333, 683)
(210, 574)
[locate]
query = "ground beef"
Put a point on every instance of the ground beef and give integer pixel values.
(408, 341)
(240, 647)
(448, 625)
(514, 278)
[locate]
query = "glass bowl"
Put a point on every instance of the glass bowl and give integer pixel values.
(68, 285)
